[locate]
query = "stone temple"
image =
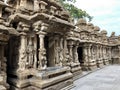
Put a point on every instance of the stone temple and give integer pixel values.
(42, 49)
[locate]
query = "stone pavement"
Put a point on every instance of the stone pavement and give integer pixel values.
(107, 78)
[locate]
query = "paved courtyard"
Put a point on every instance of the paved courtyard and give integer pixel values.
(107, 78)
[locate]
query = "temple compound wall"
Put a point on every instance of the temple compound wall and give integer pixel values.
(42, 49)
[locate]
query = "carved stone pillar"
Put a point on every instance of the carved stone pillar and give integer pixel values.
(22, 52)
(89, 54)
(101, 56)
(104, 55)
(110, 54)
(85, 57)
(92, 57)
(57, 51)
(35, 52)
(75, 64)
(42, 64)
(93, 53)
(70, 50)
(30, 52)
(66, 53)
(101, 52)
(97, 56)
(61, 52)
(75, 54)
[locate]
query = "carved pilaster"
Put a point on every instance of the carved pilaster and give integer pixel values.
(92, 57)
(35, 52)
(42, 64)
(101, 52)
(89, 53)
(22, 52)
(75, 54)
(98, 56)
(61, 52)
(70, 50)
(57, 51)
(66, 53)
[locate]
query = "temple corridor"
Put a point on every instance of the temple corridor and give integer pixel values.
(107, 78)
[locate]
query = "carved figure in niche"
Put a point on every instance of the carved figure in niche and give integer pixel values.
(22, 63)
(30, 53)
(57, 52)
(61, 56)
(42, 63)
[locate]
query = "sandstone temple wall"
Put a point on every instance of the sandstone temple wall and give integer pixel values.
(42, 49)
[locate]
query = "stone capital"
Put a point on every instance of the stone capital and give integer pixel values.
(44, 26)
(40, 33)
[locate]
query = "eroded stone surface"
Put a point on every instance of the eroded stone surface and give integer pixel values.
(106, 78)
(38, 36)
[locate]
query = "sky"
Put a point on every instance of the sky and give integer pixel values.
(106, 13)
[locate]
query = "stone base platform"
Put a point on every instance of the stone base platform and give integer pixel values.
(100, 63)
(49, 79)
(76, 70)
(3, 84)
(92, 65)
(107, 62)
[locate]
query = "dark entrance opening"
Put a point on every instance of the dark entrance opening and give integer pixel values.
(46, 43)
(80, 55)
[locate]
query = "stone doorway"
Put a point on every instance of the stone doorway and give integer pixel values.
(49, 46)
(46, 40)
(80, 56)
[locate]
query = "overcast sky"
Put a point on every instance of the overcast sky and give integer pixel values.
(106, 13)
